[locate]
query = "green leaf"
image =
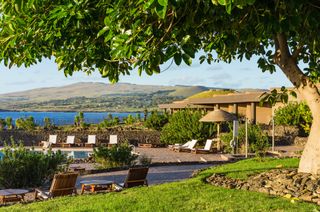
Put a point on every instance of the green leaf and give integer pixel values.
(187, 59)
(177, 58)
(163, 3)
(101, 32)
(161, 11)
(189, 51)
(148, 4)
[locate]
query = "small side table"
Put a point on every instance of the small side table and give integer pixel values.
(12, 195)
(96, 185)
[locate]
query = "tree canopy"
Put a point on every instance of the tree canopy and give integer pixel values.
(115, 36)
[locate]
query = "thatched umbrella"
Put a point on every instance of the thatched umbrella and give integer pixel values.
(218, 116)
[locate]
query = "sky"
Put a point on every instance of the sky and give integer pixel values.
(245, 74)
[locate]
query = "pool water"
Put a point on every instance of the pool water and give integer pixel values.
(77, 154)
(71, 154)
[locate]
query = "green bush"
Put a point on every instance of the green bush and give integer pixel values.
(156, 120)
(116, 156)
(129, 120)
(47, 124)
(109, 122)
(258, 140)
(184, 125)
(294, 114)
(22, 168)
(2, 124)
(26, 123)
(145, 160)
(9, 123)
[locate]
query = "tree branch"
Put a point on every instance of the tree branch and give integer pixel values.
(283, 46)
(296, 53)
(287, 62)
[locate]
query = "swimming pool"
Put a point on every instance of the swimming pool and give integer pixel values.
(77, 154)
(71, 154)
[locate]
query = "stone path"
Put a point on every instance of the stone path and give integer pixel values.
(156, 175)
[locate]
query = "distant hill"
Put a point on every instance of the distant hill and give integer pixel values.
(211, 93)
(92, 96)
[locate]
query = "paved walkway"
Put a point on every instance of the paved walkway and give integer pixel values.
(156, 175)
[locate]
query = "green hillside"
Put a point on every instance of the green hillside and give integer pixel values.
(96, 97)
(210, 93)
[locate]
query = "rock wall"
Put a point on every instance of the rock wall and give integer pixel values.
(284, 135)
(30, 138)
(280, 182)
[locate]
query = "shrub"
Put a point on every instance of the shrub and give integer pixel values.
(26, 124)
(2, 124)
(156, 120)
(226, 138)
(9, 123)
(184, 125)
(258, 140)
(22, 168)
(109, 122)
(145, 160)
(129, 120)
(79, 120)
(294, 114)
(47, 123)
(116, 156)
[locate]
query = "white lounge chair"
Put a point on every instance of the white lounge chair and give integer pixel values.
(70, 141)
(191, 146)
(92, 141)
(171, 147)
(113, 140)
(51, 142)
(207, 148)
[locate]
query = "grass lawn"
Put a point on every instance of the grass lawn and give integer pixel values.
(187, 195)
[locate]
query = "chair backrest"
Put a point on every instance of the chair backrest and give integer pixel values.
(208, 144)
(70, 139)
(53, 139)
(136, 177)
(113, 139)
(46, 144)
(186, 144)
(192, 144)
(63, 184)
(91, 139)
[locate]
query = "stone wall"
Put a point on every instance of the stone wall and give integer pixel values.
(284, 135)
(280, 182)
(34, 137)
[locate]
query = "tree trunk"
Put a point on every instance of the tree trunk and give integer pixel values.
(310, 160)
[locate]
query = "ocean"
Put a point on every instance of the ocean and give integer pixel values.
(64, 118)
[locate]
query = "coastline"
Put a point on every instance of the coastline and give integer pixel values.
(77, 111)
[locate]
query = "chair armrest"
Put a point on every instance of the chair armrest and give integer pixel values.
(118, 187)
(38, 193)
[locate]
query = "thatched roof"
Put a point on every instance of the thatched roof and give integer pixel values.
(218, 116)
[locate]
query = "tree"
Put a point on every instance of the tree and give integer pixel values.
(116, 36)
(9, 123)
(2, 124)
(47, 123)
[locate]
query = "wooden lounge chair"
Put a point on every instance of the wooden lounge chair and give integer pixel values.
(51, 142)
(62, 185)
(135, 177)
(92, 141)
(113, 140)
(171, 147)
(191, 146)
(207, 148)
(70, 141)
